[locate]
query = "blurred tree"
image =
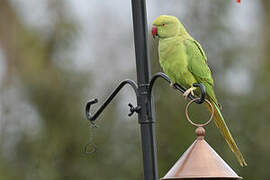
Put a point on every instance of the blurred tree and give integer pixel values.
(54, 92)
(36, 77)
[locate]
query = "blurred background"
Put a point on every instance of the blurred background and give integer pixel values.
(55, 55)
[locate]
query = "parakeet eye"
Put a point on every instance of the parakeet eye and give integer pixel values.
(163, 24)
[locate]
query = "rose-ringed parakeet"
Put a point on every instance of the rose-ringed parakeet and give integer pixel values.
(184, 61)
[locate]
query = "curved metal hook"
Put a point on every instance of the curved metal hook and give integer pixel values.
(88, 107)
(108, 100)
(178, 86)
(203, 93)
(155, 77)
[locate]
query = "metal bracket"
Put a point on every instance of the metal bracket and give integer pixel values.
(146, 90)
(178, 87)
(108, 100)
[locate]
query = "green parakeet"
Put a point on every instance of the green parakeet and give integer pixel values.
(184, 61)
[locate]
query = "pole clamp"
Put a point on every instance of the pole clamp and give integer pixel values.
(133, 109)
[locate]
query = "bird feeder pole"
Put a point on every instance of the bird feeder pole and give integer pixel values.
(145, 117)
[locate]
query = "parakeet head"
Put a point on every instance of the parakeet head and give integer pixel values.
(167, 26)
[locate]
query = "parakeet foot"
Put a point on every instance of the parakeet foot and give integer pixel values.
(220, 107)
(188, 91)
(172, 85)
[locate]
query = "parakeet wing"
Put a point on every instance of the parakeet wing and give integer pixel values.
(197, 62)
(197, 65)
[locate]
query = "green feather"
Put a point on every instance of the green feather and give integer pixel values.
(223, 128)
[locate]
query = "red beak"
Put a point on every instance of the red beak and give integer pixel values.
(154, 31)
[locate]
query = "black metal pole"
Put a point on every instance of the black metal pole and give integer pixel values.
(144, 99)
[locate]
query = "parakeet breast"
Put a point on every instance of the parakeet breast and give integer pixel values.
(173, 60)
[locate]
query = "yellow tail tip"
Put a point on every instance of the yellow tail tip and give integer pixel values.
(243, 163)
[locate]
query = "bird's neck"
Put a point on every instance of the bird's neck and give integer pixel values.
(178, 37)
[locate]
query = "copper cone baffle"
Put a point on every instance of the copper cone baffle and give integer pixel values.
(200, 161)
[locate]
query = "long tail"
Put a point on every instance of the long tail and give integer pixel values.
(219, 120)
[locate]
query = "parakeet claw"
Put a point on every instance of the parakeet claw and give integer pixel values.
(187, 92)
(172, 85)
(220, 107)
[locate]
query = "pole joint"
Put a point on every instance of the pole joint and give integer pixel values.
(143, 89)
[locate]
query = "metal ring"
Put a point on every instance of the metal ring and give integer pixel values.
(204, 124)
